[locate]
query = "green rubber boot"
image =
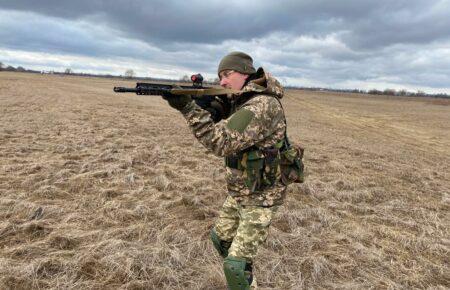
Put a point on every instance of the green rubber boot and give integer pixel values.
(238, 273)
(220, 245)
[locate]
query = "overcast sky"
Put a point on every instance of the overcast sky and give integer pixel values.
(401, 44)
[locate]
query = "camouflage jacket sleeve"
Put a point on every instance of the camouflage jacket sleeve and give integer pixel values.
(259, 122)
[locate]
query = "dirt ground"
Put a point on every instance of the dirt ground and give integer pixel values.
(104, 191)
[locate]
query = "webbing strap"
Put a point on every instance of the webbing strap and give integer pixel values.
(285, 123)
(232, 162)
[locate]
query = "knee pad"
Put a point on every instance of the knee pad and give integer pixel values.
(238, 273)
(220, 245)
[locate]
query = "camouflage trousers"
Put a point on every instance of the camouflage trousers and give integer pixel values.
(245, 226)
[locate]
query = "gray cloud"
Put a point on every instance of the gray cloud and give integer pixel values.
(30, 31)
(369, 23)
(323, 41)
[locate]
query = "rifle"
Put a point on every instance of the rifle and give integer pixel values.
(213, 100)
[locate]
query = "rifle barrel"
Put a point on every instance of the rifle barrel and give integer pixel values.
(124, 90)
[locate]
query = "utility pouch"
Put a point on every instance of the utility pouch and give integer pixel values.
(292, 167)
(271, 166)
(253, 163)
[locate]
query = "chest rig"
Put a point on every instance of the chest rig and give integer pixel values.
(260, 166)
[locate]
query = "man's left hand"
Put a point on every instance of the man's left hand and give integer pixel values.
(177, 101)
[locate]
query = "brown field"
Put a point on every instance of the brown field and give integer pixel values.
(106, 191)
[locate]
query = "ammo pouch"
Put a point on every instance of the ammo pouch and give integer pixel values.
(261, 167)
(292, 167)
(253, 164)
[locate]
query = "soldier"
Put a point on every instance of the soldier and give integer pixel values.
(250, 139)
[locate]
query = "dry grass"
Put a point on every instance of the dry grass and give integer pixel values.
(99, 190)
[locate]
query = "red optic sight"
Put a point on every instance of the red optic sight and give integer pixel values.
(197, 80)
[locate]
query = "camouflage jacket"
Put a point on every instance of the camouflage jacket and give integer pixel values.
(257, 123)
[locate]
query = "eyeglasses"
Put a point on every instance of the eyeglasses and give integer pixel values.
(225, 74)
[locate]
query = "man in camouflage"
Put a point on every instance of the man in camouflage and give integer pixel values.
(250, 140)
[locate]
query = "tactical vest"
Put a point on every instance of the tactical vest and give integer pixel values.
(262, 167)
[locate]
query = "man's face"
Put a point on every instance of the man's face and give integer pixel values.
(231, 79)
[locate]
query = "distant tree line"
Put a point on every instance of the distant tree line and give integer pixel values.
(405, 93)
(386, 92)
(130, 74)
